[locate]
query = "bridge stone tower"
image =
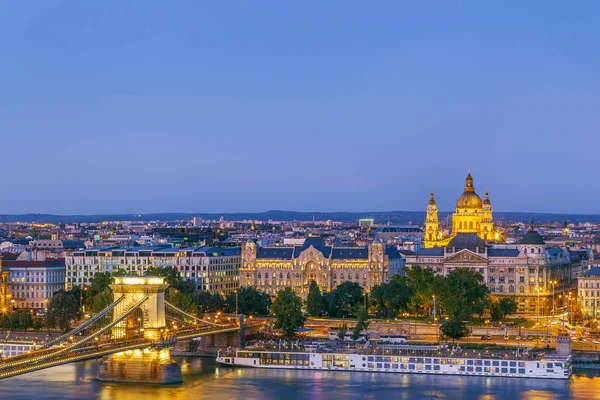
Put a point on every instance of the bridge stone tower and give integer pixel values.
(150, 365)
(135, 289)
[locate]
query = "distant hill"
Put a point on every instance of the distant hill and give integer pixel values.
(397, 217)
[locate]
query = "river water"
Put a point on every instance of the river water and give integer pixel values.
(205, 379)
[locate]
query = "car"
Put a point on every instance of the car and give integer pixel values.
(529, 337)
(518, 338)
(595, 341)
(483, 337)
(489, 337)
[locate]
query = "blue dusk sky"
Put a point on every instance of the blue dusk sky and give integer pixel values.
(239, 106)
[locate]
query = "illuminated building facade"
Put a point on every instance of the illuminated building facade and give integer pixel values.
(472, 215)
(271, 269)
(212, 269)
(529, 271)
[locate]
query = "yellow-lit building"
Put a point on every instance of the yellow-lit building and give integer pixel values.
(5, 296)
(471, 216)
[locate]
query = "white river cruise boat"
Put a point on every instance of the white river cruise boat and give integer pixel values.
(414, 360)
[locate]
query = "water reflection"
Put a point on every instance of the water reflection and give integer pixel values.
(204, 380)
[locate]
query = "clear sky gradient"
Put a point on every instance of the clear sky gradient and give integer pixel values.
(213, 106)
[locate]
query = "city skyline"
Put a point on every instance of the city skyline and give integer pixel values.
(118, 108)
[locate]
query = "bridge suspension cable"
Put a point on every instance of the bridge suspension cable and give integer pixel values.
(189, 316)
(85, 324)
(61, 350)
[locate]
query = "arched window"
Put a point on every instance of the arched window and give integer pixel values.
(266, 275)
(471, 225)
(356, 277)
(539, 250)
(430, 236)
(521, 289)
(492, 289)
(288, 275)
(342, 277)
(334, 275)
(248, 276)
(511, 289)
(525, 250)
(259, 275)
(281, 275)
(501, 289)
(485, 236)
(460, 225)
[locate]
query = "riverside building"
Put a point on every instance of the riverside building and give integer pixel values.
(273, 268)
(212, 269)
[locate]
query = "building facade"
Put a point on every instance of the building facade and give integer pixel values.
(33, 283)
(528, 271)
(212, 269)
(471, 216)
(271, 269)
(588, 288)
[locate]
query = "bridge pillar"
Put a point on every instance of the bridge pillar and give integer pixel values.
(135, 288)
(149, 365)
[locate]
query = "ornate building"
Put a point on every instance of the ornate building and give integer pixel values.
(5, 295)
(471, 216)
(272, 269)
(528, 271)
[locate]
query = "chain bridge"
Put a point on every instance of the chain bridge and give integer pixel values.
(136, 332)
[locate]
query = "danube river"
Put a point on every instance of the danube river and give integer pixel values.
(204, 379)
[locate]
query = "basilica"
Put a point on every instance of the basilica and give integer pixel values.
(528, 271)
(471, 216)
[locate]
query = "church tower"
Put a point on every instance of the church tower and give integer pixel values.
(487, 221)
(432, 226)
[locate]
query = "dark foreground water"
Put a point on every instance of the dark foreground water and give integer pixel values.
(204, 379)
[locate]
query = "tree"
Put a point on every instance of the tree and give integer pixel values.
(25, 320)
(454, 328)
(250, 301)
(342, 332)
(98, 284)
(38, 324)
(362, 323)
(182, 301)
(348, 297)
(481, 305)
(459, 291)
(389, 299)
(496, 312)
(62, 309)
(421, 280)
(508, 305)
(101, 300)
(14, 321)
(287, 309)
(209, 302)
(329, 304)
(314, 300)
